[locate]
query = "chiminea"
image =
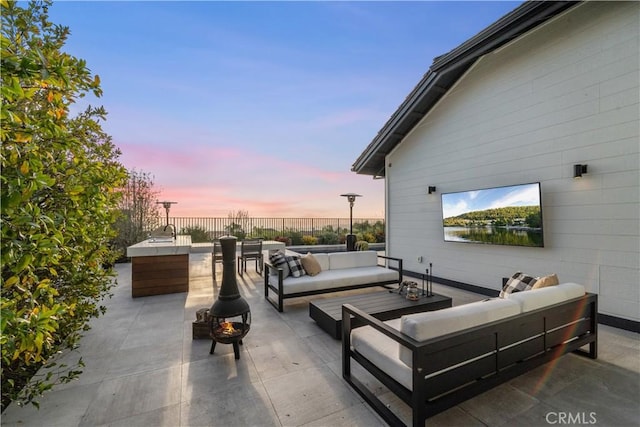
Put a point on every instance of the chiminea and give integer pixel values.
(229, 316)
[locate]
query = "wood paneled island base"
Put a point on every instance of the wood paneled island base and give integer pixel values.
(156, 275)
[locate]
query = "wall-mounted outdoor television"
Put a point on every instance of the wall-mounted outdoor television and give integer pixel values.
(509, 215)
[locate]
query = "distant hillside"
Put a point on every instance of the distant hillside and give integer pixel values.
(528, 216)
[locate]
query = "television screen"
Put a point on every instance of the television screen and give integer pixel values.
(509, 215)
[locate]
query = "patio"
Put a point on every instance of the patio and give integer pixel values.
(144, 369)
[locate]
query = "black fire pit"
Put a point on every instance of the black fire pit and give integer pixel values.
(229, 316)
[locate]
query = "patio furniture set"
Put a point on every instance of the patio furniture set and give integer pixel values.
(287, 277)
(431, 355)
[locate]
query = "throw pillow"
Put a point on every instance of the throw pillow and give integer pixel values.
(295, 266)
(543, 282)
(310, 264)
(279, 260)
(517, 283)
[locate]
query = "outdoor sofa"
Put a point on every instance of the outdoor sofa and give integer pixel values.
(435, 360)
(336, 271)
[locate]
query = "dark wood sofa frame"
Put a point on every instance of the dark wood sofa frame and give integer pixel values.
(278, 289)
(496, 352)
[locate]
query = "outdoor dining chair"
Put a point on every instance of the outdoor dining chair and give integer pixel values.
(250, 250)
(216, 256)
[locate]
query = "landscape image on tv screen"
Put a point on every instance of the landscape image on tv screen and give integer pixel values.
(499, 216)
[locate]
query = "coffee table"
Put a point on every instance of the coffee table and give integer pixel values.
(383, 305)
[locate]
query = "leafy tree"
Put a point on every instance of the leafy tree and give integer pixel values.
(362, 245)
(265, 233)
(140, 211)
(534, 220)
(328, 238)
(58, 201)
(309, 240)
(198, 234)
(295, 236)
(497, 216)
(239, 224)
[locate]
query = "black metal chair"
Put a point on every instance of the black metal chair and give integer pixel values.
(216, 256)
(250, 249)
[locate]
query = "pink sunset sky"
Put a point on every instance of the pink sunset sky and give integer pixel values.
(260, 106)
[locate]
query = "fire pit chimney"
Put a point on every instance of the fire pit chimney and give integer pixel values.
(230, 315)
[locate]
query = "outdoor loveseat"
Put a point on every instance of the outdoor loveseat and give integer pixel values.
(435, 360)
(336, 271)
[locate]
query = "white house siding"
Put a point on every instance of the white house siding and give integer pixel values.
(566, 93)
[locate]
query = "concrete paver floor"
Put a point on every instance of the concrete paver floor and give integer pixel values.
(142, 368)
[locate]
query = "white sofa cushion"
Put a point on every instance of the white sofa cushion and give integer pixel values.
(323, 260)
(337, 278)
(430, 324)
(382, 351)
(340, 260)
(538, 298)
(573, 290)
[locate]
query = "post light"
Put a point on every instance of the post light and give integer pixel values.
(166, 206)
(351, 238)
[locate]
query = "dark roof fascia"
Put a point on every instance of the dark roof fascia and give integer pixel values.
(445, 71)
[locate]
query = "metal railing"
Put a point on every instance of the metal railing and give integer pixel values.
(270, 228)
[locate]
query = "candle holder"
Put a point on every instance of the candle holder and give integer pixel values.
(413, 293)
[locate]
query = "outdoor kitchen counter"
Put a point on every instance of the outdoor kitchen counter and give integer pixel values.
(161, 246)
(160, 266)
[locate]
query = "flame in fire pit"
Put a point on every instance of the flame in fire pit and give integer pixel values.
(227, 329)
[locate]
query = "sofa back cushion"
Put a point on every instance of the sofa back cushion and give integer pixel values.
(538, 298)
(323, 260)
(430, 324)
(338, 260)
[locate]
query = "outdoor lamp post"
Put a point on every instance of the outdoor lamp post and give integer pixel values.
(167, 206)
(351, 238)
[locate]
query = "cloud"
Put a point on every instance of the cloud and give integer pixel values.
(451, 210)
(526, 196)
(212, 181)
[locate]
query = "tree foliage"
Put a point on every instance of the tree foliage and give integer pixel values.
(239, 224)
(58, 202)
(198, 233)
(511, 215)
(139, 209)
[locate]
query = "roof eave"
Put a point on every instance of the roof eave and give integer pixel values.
(445, 71)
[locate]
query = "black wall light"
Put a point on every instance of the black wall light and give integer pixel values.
(579, 170)
(431, 189)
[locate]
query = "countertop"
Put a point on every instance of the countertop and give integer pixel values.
(161, 246)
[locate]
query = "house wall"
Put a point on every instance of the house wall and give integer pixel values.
(566, 93)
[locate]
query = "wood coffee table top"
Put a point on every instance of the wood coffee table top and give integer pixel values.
(382, 305)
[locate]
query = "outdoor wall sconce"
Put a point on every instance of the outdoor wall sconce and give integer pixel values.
(431, 189)
(578, 170)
